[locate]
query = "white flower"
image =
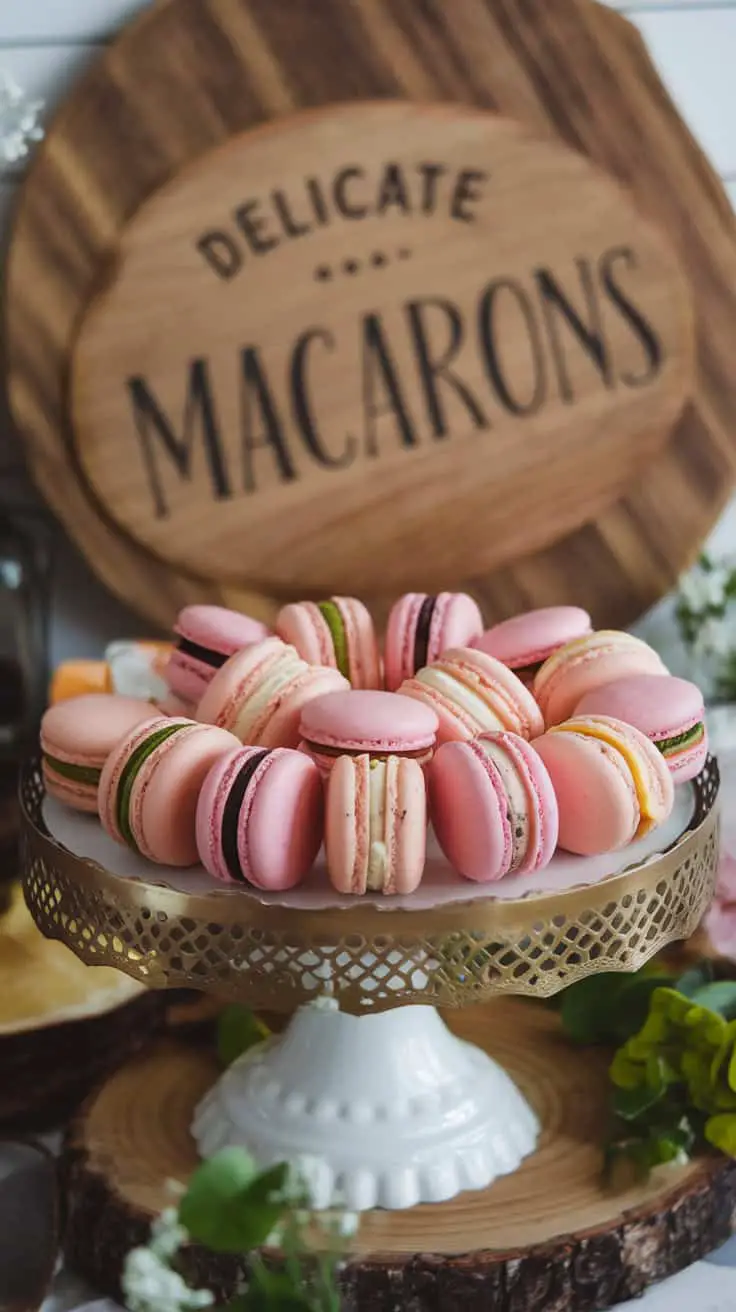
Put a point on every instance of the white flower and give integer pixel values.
(149, 1285)
(167, 1235)
(702, 590)
(712, 639)
(19, 121)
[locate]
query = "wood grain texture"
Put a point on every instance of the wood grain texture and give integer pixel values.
(191, 73)
(547, 1237)
(387, 337)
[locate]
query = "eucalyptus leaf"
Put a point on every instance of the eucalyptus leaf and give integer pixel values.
(238, 1030)
(632, 1004)
(228, 1206)
(588, 1008)
(719, 996)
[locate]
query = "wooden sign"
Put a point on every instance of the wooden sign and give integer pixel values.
(376, 347)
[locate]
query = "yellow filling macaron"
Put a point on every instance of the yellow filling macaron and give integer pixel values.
(647, 794)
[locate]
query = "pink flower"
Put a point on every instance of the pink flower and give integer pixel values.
(720, 922)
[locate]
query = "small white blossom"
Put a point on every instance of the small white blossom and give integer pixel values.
(347, 1224)
(167, 1235)
(712, 639)
(19, 121)
(149, 1285)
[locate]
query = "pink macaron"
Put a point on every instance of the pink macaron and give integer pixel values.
(260, 693)
(205, 637)
(150, 787)
(260, 817)
(525, 642)
(376, 825)
(422, 628)
(611, 783)
(374, 722)
(338, 633)
(669, 711)
(588, 663)
(77, 736)
(473, 693)
(493, 807)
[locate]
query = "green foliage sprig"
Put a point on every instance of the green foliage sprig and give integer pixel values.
(674, 1070)
(231, 1206)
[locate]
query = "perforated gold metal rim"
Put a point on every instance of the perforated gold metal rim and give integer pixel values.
(275, 958)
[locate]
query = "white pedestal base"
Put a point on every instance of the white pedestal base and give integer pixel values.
(390, 1110)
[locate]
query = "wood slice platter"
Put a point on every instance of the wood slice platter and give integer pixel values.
(165, 116)
(549, 1238)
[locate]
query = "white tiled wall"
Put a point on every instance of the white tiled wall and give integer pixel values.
(44, 43)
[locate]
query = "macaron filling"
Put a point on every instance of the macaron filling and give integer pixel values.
(128, 777)
(330, 612)
(682, 742)
(377, 867)
(422, 632)
(77, 774)
(215, 659)
(231, 815)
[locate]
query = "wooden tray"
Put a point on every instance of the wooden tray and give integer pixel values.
(570, 70)
(550, 1235)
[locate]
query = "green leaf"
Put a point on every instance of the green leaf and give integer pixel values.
(720, 1131)
(694, 979)
(631, 1104)
(719, 996)
(228, 1206)
(632, 1004)
(238, 1031)
(588, 1008)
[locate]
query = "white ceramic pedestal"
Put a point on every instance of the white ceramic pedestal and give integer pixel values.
(388, 1110)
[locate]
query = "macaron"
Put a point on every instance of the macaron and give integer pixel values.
(260, 693)
(377, 723)
(669, 711)
(77, 678)
(337, 633)
(473, 693)
(260, 817)
(205, 636)
(151, 783)
(493, 807)
(77, 736)
(611, 783)
(376, 825)
(586, 664)
(422, 628)
(525, 642)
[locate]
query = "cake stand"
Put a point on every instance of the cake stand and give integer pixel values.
(367, 1085)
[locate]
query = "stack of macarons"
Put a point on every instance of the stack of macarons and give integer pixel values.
(537, 733)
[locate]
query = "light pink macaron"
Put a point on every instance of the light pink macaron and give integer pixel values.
(376, 825)
(77, 736)
(205, 636)
(588, 663)
(338, 633)
(493, 807)
(525, 642)
(260, 817)
(421, 628)
(473, 693)
(669, 711)
(150, 787)
(372, 722)
(611, 783)
(260, 693)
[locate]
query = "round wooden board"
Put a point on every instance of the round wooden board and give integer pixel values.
(549, 1236)
(228, 65)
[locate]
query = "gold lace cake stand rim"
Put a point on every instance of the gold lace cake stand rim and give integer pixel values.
(373, 957)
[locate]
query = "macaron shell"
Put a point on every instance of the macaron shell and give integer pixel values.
(659, 705)
(279, 725)
(369, 721)
(456, 622)
(532, 637)
(400, 638)
(687, 765)
(473, 693)
(406, 825)
(346, 824)
(469, 813)
(83, 730)
(115, 766)
(543, 811)
(363, 654)
(303, 626)
(286, 822)
(596, 798)
(649, 770)
(586, 664)
(165, 792)
(349, 837)
(217, 629)
(72, 793)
